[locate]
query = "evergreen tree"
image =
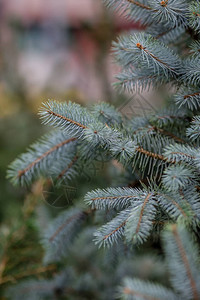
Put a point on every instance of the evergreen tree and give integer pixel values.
(156, 195)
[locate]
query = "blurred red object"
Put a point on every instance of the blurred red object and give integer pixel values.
(83, 63)
(60, 10)
(65, 11)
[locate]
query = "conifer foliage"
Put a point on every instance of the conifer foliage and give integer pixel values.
(159, 155)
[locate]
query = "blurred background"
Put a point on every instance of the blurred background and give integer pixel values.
(56, 49)
(48, 49)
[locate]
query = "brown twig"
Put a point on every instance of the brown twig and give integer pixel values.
(167, 133)
(22, 172)
(153, 56)
(66, 119)
(61, 227)
(185, 262)
(154, 155)
(115, 230)
(191, 95)
(139, 4)
(142, 212)
(68, 167)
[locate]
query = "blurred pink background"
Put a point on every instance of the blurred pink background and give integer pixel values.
(59, 49)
